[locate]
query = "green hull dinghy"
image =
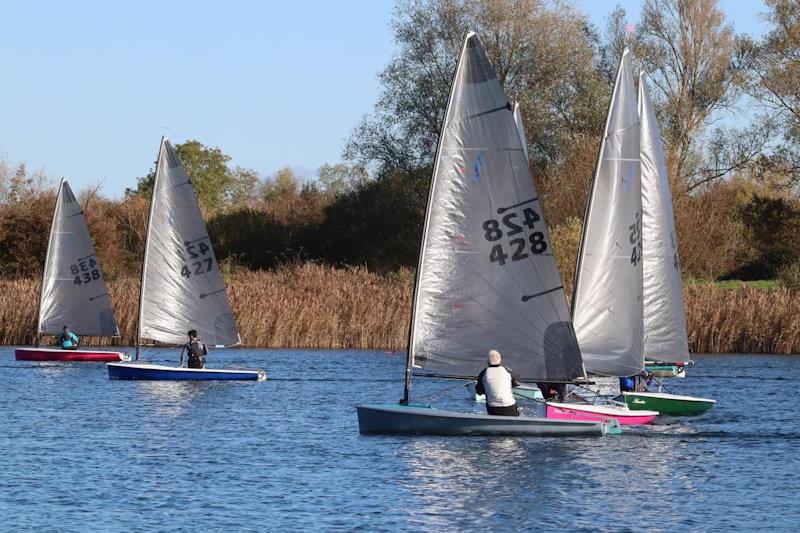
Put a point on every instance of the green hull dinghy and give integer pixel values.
(668, 404)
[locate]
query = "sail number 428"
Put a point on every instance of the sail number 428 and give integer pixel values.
(519, 247)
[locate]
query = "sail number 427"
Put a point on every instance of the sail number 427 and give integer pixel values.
(202, 265)
(518, 247)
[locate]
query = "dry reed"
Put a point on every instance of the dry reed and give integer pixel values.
(312, 306)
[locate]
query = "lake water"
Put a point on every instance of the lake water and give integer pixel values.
(81, 452)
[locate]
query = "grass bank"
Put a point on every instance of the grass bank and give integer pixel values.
(311, 306)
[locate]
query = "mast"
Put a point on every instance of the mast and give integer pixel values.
(146, 242)
(47, 259)
(409, 351)
(589, 200)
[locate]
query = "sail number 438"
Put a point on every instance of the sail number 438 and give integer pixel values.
(85, 271)
(519, 247)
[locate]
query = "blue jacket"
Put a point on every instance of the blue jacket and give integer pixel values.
(69, 340)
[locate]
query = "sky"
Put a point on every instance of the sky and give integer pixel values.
(87, 88)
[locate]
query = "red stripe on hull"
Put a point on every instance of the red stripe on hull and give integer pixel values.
(32, 354)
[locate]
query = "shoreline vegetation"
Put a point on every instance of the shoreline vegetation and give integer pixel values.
(313, 306)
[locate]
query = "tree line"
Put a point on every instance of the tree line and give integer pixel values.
(726, 102)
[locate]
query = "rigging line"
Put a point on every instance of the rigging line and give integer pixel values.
(98, 296)
(87, 257)
(622, 130)
(186, 243)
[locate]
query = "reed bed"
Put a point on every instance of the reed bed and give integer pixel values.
(313, 306)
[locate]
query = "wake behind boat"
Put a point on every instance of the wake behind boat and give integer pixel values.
(73, 290)
(182, 289)
(487, 278)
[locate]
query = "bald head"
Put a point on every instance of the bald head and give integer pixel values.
(494, 357)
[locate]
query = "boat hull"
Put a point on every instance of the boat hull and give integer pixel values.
(523, 392)
(54, 354)
(148, 372)
(424, 420)
(668, 404)
(562, 411)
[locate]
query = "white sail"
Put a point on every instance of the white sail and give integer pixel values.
(182, 286)
(74, 292)
(487, 277)
(664, 317)
(521, 129)
(607, 305)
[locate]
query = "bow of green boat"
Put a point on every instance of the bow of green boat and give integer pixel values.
(668, 404)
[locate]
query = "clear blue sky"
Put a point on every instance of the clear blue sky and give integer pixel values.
(86, 88)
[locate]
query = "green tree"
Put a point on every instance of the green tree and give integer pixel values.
(544, 55)
(208, 170)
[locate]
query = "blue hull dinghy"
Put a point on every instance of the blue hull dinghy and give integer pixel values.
(145, 371)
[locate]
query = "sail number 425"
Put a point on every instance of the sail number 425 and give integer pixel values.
(519, 247)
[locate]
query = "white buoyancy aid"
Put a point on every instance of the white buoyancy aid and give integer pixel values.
(498, 387)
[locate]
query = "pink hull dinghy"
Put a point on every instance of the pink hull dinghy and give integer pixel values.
(54, 354)
(574, 411)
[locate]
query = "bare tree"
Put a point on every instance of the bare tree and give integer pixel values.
(689, 51)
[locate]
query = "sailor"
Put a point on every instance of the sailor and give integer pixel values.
(627, 384)
(197, 351)
(496, 382)
(68, 340)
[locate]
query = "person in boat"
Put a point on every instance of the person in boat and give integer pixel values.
(196, 350)
(552, 391)
(627, 384)
(497, 383)
(68, 340)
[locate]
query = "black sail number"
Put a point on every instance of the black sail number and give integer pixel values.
(85, 271)
(519, 248)
(204, 263)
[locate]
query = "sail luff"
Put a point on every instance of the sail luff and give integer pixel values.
(48, 256)
(607, 299)
(487, 277)
(420, 260)
(590, 200)
(665, 336)
(146, 247)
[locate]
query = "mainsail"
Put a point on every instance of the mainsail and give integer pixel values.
(74, 292)
(487, 277)
(607, 303)
(181, 283)
(521, 129)
(664, 318)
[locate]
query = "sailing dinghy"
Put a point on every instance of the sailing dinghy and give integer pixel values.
(607, 299)
(73, 291)
(487, 278)
(181, 285)
(665, 339)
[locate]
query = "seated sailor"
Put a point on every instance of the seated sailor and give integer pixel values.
(497, 383)
(68, 340)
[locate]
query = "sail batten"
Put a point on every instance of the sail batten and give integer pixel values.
(487, 278)
(74, 292)
(182, 286)
(607, 302)
(665, 336)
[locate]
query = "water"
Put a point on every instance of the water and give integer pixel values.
(81, 452)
